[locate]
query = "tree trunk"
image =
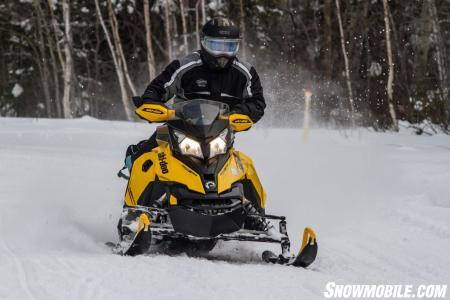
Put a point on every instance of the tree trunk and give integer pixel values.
(242, 27)
(401, 56)
(390, 81)
(422, 47)
(148, 38)
(96, 67)
(54, 68)
(117, 65)
(203, 10)
(168, 30)
(59, 105)
(328, 38)
(57, 99)
(118, 46)
(347, 70)
(183, 23)
(44, 63)
(197, 25)
(174, 26)
(440, 55)
(68, 70)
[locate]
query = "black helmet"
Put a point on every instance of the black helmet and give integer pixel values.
(220, 42)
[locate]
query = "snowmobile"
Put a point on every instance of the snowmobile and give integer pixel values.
(195, 189)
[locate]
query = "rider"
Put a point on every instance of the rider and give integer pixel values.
(214, 72)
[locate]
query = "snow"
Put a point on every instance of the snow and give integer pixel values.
(17, 90)
(379, 203)
(260, 9)
(375, 69)
(130, 9)
(215, 5)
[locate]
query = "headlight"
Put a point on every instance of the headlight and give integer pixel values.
(188, 146)
(219, 144)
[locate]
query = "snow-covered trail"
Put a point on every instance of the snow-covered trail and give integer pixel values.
(380, 205)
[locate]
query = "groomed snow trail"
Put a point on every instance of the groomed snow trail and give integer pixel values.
(379, 203)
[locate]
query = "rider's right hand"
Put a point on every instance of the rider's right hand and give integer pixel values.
(137, 101)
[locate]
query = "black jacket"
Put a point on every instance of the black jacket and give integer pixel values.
(238, 86)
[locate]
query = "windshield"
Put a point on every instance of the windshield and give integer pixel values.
(200, 111)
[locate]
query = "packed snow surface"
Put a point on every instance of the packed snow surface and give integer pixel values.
(379, 203)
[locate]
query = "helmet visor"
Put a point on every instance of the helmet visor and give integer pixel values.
(217, 46)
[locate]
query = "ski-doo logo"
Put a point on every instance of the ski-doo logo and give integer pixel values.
(163, 163)
(153, 110)
(241, 121)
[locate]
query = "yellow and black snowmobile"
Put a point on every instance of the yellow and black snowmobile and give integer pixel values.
(195, 188)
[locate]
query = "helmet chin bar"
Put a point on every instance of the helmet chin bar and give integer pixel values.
(222, 61)
(216, 62)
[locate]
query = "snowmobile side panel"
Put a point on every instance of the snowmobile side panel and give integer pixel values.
(238, 167)
(162, 165)
(229, 174)
(171, 169)
(142, 173)
(250, 173)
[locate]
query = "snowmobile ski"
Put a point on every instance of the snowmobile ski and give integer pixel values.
(137, 240)
(304, 258)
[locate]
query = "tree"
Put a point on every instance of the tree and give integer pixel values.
(184, 26)
(117, 64)
(242, 27)
(197, 25)
(68, 63)
(42, 62)
(57, 59)
(347, 69)
(166, 7)
(148, 39)
(391, 67)
(441, 58)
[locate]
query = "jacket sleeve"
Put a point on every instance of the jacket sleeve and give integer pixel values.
(253, 103)
(157, 90)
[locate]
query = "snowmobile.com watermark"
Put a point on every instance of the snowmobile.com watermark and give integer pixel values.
(384, 291)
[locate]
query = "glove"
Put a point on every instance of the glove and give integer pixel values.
(137, 101)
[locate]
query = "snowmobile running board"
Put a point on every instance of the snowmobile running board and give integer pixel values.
(306, 255)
